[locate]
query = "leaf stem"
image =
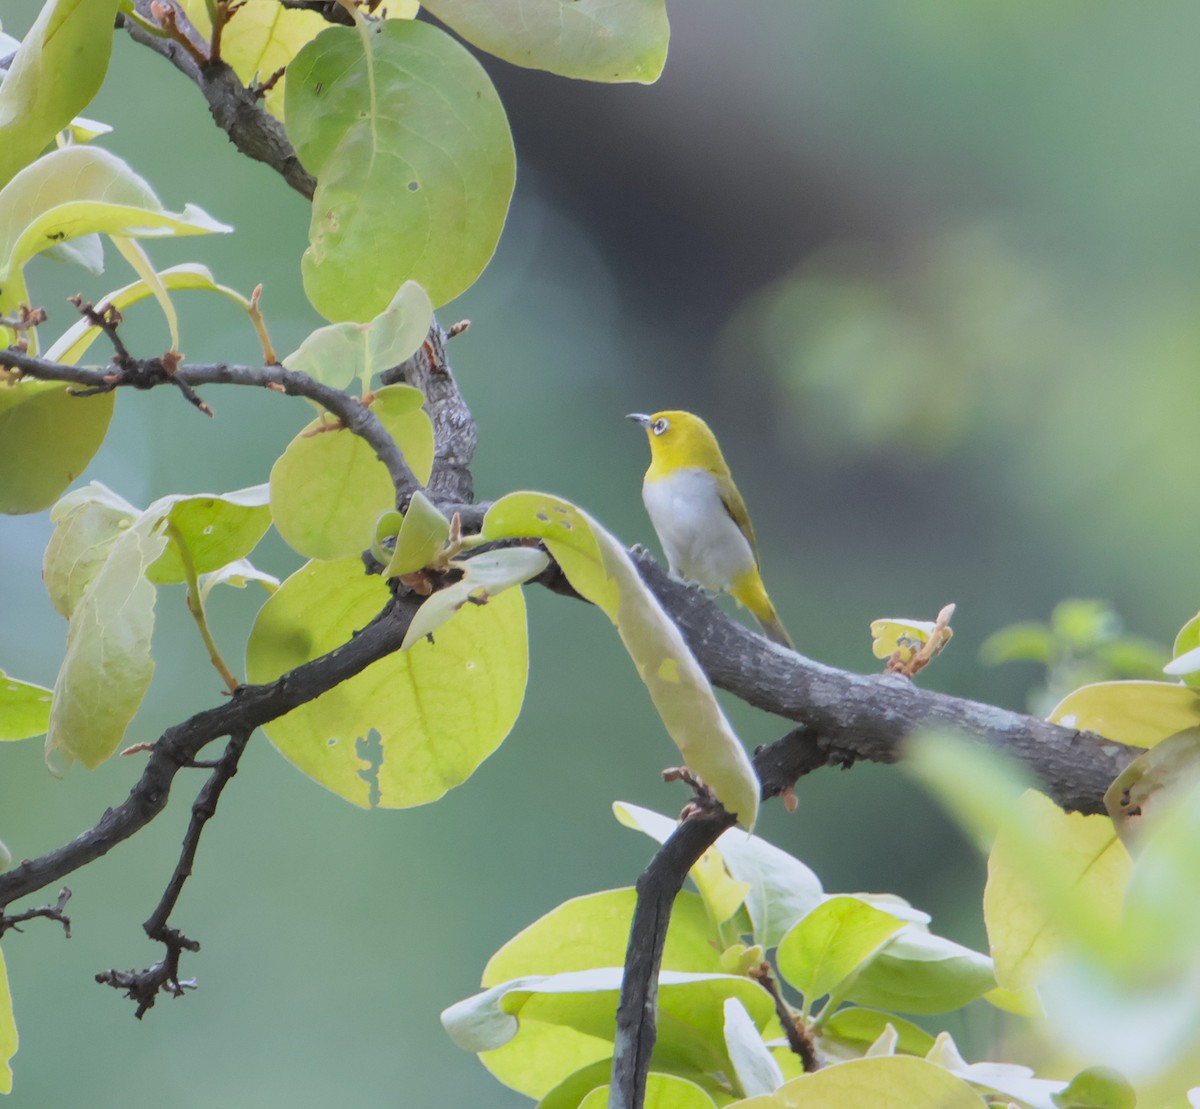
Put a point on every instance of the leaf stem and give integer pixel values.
(195, 604)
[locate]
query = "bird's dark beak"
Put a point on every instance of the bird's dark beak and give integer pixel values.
(639, 418)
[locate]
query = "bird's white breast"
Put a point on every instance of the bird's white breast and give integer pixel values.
(700, 539)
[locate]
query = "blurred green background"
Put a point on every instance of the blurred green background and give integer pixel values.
(930, 271)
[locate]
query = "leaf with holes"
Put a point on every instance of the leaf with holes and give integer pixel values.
(328, 488)
(596, 40)
(414, 164)
(438, 709)
(216, 529)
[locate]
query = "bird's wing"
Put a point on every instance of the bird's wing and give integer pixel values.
(736, 507)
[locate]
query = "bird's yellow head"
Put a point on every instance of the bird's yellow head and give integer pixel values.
(678, 441)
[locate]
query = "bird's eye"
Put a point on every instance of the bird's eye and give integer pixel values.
(660, 425)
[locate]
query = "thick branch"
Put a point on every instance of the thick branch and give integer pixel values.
(235, 109)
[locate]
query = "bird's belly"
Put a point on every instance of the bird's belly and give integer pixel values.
(701, 540)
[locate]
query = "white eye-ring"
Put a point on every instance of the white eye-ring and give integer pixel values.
(660, 425)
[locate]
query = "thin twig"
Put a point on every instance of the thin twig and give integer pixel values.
(46, 912)
(799, 1039)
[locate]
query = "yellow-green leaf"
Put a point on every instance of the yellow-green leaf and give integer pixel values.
(8, 1031)
(600, 570)
(87, 522)
(24, 708)
(663, 1091)
(1152, 781)
(437, 710)
(328, 488)
(47, 438)
(217, 528)
(1139, 713)
(423, 533)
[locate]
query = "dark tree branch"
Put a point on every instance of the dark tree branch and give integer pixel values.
(145, 986)
(237, 110)
(657, 889)
(46, 912)
(799, 1040)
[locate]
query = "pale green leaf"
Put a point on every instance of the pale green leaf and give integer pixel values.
(885, 1082)
(87, 522)
(597, 40)
(342, 352)
(24, 708)
(916, 972)
(47, 438)
(328, 488)
(830, 943)
(721, 893)
(853, 1030)
(86, 251)
(484, 577)
(1007, 1080)
(217, 528)
(1097, 1088)
(1025, 926)
(237, 574)
(1150, 781)
(437, 710)
(663, 1091)
(600, 570)
(139, 261)
(8, 1031)
(108, 667)
(76, 191)
(753, 1064)
(414, 164)
(82, 129)
(73, 343)
(1136, 712)
(58, 69)
(423, 533)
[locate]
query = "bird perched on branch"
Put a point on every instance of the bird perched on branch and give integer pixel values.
(700, 517)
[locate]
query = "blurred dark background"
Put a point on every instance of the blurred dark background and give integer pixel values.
(931, 273)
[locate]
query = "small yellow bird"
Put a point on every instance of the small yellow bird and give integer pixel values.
(700, 517)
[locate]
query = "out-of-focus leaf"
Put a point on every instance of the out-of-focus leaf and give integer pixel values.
(885, 1082)
(24, 708)
(8, 1031)
(1096, 1088)
(47, 438)
(328, 488)
(1139, 713)
(858, 1028)
(108, 667)
(830, 943)
(58, 69)
(1150, 780)
(1024, 925)
(1003, 1079)
(342, 352)
(600, 570)
(414, 164)
(438, 709)
(1027, 642)
(597, 40)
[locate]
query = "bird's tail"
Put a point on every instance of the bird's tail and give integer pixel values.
(749, 590)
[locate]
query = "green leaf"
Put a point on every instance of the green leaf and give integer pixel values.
(1027, 922)
(328, 488)
(690, 1026)
(108, 667)
(24, 708)
(663, 1091)
(423, 533)
(218, 528)
(5, 856)
(1027, 642)
(916, 972)
(8, 1031)
(338, 354)
(581, 934)
(885, 1082)
(438, 709)
(238, 574)
(858, 1029)
(599, 569)
(1097, 1088)
(56, 72)
(753, 1064)
(73, 343)
(1139, 713)
(830, 943)
(76, 191)
(87, 523)
(597, 40)
(484, 577)
(47, 438)
(721, 893)
(413, 159)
